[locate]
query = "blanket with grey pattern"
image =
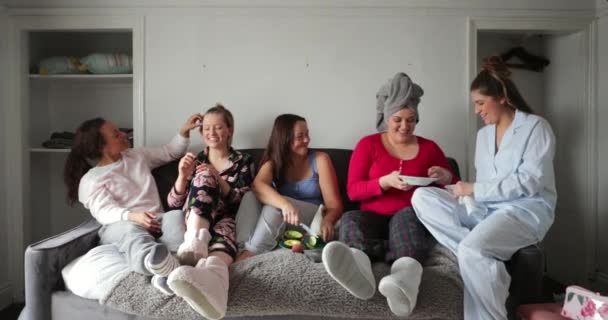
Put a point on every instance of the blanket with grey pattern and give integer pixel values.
(285, 283)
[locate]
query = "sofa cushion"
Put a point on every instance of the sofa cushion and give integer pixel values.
(285, 283)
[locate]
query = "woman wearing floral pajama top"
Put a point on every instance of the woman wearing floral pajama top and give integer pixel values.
(210, 195)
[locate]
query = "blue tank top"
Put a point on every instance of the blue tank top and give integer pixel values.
(306, 190)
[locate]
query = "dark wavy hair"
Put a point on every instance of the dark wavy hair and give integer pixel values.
(88, 144)
(279, 145)
(494, 80)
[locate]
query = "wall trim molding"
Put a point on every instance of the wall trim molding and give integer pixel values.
(450, 4)
(6, 297)
(14, 169)
(591, 135)
(305, 11)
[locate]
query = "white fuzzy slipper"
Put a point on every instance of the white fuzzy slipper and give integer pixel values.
(351, 268)
(401, 286)
(204, 287)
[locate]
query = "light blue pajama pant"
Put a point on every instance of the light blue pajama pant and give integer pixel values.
(481, 246)
(259, 227)
(136, 242)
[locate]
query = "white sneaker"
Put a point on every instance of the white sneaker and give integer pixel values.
(351, 268)
(204, 287)
(401, 286)
(194, 247)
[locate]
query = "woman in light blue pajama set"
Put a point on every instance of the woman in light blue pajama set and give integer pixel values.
(513, 196)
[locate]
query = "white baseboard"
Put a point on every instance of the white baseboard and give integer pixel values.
(6, 297)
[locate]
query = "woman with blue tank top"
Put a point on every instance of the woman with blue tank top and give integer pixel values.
(292, 184)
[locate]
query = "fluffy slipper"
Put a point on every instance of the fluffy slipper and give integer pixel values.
(401, 286)
(351, 268)
(204, 287)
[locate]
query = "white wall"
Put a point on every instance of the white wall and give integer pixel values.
(602, 107)
(261, 65)
(5, 294)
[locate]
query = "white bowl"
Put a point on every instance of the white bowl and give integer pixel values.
(417, 181)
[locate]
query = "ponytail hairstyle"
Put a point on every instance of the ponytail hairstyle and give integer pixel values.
(279, 145)
(228, 119)
(87, 147)
(494, 80)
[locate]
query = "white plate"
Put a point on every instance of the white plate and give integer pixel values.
(417, 181)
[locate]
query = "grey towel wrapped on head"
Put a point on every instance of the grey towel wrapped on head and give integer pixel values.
(400, 92)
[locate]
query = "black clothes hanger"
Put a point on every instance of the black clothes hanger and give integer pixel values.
(529, 61)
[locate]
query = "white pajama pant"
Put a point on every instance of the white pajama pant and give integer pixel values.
(481, 246)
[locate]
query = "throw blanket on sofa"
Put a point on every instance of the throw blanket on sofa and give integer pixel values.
(286, 283)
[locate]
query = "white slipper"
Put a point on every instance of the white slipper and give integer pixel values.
(194, 247)
(351, 268)
(401, 286)
(204, 287)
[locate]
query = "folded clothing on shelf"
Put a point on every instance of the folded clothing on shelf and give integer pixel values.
(65, 139)
(60, 140)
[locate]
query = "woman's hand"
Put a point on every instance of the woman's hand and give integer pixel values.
(146, 219)
(186, 165)
(291, 214)
(461, 189)
(224, 186)
(194, 121)
(327, 229)
(443, 175)
(392, 180)
(208, 167)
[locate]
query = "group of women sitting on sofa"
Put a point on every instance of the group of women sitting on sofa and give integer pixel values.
(509, 206)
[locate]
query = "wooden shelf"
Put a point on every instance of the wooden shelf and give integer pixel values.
(49, 150)
(84, 78)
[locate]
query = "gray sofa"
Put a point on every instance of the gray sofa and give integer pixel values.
(276, 285)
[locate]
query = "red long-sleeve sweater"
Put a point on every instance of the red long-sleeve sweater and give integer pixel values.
(370, 161)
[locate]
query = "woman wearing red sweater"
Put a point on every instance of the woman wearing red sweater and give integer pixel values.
(386, 228)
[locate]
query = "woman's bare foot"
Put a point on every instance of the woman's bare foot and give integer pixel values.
(244, 255)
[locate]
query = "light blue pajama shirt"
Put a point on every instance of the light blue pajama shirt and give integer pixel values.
(515, 188)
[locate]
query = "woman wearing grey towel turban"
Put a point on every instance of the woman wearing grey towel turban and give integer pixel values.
(385, 227)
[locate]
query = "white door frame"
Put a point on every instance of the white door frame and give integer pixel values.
(588, 27)
(16, 133)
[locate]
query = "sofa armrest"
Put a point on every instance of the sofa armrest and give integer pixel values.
(44, 261)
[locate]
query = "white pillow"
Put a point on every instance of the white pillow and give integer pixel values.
(96, 273)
